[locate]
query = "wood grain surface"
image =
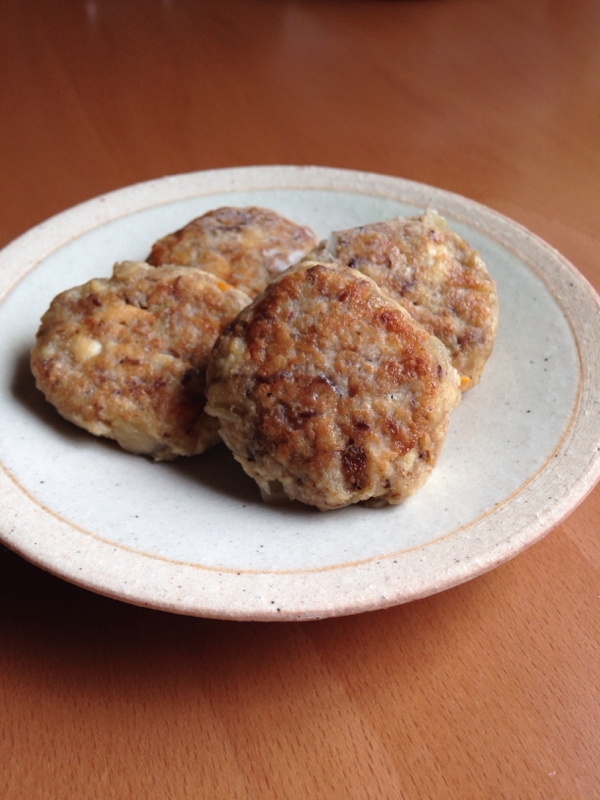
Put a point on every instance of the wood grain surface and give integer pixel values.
(488, 691)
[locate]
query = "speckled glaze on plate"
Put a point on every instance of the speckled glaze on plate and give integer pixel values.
(193, 536)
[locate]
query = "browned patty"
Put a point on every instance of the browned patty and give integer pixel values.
(126, 357)
(435, 275)
(246, 247)
(327, 390)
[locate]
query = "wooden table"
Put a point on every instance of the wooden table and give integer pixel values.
(487, 691)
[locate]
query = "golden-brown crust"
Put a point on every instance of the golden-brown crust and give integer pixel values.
(326, 388)
(436, 276)
(126, 357)
(246, 247)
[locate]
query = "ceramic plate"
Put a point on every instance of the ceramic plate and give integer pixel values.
(193, 536)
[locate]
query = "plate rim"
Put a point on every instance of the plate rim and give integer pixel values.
(247, 597)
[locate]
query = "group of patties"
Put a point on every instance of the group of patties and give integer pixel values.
(329, 369)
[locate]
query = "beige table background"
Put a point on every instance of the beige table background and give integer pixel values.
(487, 691)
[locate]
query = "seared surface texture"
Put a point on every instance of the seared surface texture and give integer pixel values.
(327, 390)
(435, 275)
(246, 247)
(126, 357)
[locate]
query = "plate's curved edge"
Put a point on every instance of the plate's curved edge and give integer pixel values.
(582, 311)
(138, 579)
(129, 577)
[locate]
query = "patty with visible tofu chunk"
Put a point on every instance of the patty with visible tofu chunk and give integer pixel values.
(247, 247)
(126, 357)
(435, 275)
(329, 392)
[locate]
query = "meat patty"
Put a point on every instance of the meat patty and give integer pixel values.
(328, 391)
(435, 275)
(126, 357)
(247, 247)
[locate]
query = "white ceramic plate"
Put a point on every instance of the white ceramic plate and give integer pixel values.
(193, 536)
